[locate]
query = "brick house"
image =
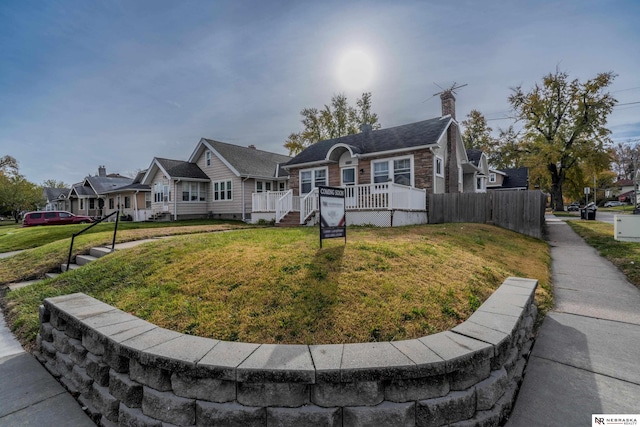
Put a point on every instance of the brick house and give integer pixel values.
(388, 173)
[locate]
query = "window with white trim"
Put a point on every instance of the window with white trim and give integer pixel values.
(161, 192)
(262, 186)
(81, 204)
(348, 176)
(439, 166)
(111, 203)
(194, 191)
(282, 186)
(207, 156)
(147, 200)
(222, 190)
(492, 177)
(127, 202)
(312, 178)
(402, 172)
(381, 171)
(398, 170)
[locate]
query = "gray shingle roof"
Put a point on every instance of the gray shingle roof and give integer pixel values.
(55, 193)
(182, 169)
(516, 178)
(405, 136)
(102, 184)
(474, 156)
(250, 161)
(131, 187)
(82, 190)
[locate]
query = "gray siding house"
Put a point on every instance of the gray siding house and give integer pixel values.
(218, 181)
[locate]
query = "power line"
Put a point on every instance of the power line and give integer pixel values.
(624, 90)
(626, 103)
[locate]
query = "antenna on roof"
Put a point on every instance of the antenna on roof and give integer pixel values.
(452, 89)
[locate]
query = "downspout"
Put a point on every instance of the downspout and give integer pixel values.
(244, 216)
(135, 203)
(175, 199)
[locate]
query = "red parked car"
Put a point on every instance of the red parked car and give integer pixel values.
(53, 218)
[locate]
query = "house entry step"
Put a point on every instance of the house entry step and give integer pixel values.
(85, 259)
(99, 252)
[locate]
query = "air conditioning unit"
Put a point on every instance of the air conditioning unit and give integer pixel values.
(626, 228)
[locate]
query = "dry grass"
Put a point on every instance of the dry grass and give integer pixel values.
(277, 286)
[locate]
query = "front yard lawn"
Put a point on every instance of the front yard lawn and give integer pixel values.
(276, 286)
(17, 237)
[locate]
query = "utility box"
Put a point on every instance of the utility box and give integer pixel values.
(626, 228)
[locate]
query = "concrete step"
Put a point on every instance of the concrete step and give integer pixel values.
(51, 275)
(85, 259)
(99, 252)
(14, 286)
(63, 267)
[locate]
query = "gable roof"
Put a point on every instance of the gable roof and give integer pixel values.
(181, 169)
(244, 161)
(516, 178)
(174, 169)
(55, 193)
(82, 190)
(403, 137)
(103, 184)
(474, 156)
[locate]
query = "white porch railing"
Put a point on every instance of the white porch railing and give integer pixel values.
(284, 205)
(265, 202)
(382, 196)
(308, 205)
(385, 196)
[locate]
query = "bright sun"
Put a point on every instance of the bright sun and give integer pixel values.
(355, 70)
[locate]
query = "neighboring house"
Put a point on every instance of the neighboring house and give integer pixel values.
(475, 172)
(508, 179)
(57, 199)
(387, 172)
(132, 200)
(624, 190)
(217, 181)
(88, 197)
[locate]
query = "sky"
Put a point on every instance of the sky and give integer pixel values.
(85, 83)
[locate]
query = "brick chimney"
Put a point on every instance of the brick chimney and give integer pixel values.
(451, 181)
(448, 103)
(102, 171)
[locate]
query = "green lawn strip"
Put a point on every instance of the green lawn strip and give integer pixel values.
(34, 263)
(18, 238)
(625, 255)
(276, 285)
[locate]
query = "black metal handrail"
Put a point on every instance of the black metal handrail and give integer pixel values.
(113, 242)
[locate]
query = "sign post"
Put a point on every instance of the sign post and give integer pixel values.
(587, 190)
(333, 220)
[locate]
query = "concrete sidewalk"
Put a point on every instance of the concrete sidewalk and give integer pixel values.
(586, 359)
(29, 395)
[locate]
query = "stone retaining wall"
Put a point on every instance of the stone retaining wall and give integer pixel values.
(129, 372)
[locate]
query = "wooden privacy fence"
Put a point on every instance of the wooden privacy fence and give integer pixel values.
(521, 211)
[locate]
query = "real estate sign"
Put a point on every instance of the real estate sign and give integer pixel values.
(333, 220)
